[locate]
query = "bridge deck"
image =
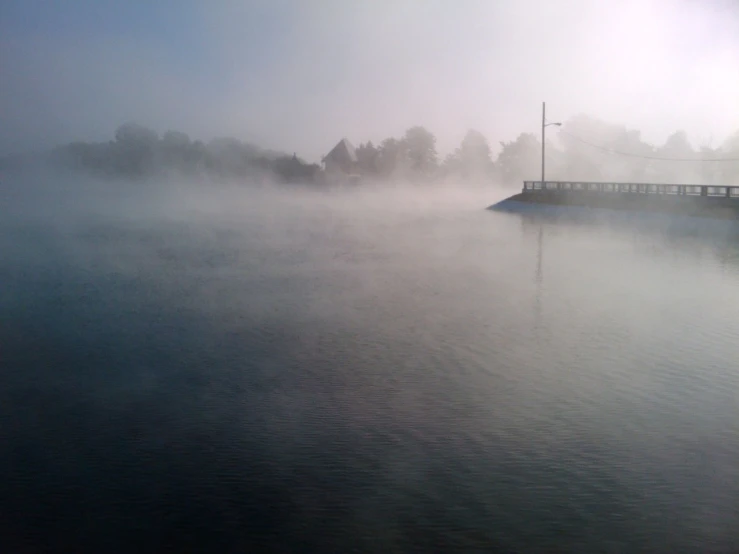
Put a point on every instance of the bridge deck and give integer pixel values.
(722, 191)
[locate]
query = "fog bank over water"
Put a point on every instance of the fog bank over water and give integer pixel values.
(210, 367)
(210, 343)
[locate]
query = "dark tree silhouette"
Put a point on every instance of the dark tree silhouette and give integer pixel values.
(421, 150)
(519, 159)
(585, 148)
(472, 160)
(367, 159)
(391, 158)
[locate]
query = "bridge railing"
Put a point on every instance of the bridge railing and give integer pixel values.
(722, 191)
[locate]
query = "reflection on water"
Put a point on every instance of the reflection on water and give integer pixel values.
(539, 277)
(293, 373)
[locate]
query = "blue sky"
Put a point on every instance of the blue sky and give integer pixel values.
(299, 75)
(62, 59)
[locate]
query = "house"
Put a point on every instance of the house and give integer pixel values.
(341, 161)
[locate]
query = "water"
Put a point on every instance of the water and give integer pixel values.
(385, 371)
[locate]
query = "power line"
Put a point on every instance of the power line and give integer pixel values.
(612, 151)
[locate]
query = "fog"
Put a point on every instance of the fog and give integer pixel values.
(298, 76)
(392, 368)
(106, 226)
(207, 346)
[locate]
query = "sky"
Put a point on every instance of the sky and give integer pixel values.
(299, 75)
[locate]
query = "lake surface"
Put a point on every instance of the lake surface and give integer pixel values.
(379, 371)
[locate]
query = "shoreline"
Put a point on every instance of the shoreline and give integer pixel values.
(665, 205)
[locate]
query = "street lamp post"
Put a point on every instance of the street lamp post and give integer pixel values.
(544, 125)
(540, 249)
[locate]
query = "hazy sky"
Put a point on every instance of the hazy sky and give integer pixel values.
(298, 75)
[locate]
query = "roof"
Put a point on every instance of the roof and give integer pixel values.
(342, 152)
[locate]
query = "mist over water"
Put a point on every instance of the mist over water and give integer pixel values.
(191, 369)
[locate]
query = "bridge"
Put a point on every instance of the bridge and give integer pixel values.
(588, 187)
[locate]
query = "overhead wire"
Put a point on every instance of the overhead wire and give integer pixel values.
(642, 156)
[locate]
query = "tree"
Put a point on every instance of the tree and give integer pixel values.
(710, 173)
(597, 150)
(292, 169)
(475, 147)
(175, 147)
(677, 147)
(133, 134)
(421, 149)
(230, 156)
(519, 159)
(452, 167)
(729, 171)
(391, 157)
(472, 159)
(135, 149)
(367, 158)
(94, 157)
(175, 140)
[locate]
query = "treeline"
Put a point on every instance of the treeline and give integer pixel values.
(138, 152)
(413, 157)
(584, 148)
